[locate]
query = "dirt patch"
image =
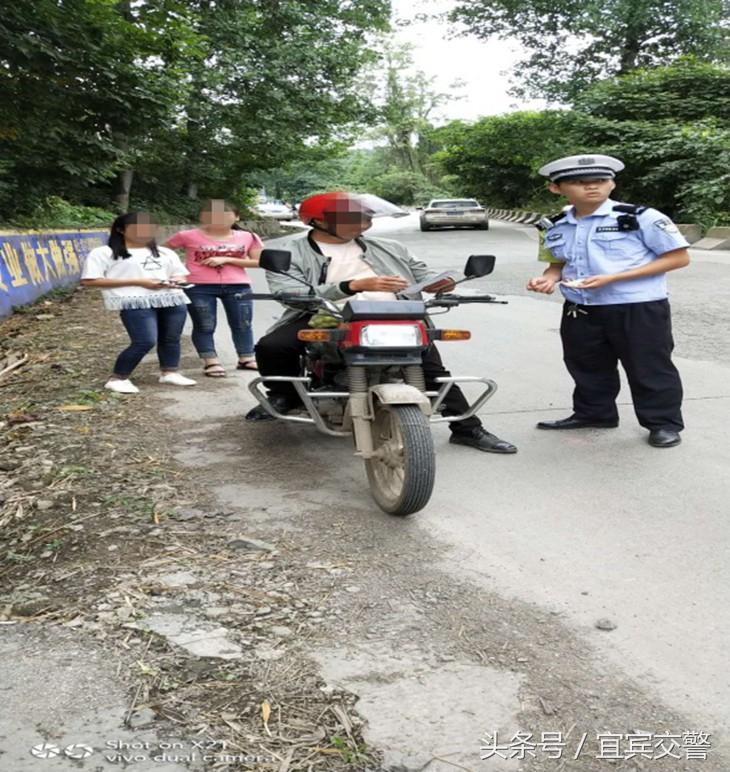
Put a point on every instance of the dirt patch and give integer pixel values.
(240, 605)
(106, 535)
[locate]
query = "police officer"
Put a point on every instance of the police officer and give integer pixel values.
(611, 260)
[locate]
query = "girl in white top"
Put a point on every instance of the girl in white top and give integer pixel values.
(141, 281)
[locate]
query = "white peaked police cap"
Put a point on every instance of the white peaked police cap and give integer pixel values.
(577, 166)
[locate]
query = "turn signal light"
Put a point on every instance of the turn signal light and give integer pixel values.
(451, 334)
(316, 336)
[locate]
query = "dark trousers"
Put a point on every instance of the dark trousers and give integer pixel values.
(147, 328)
(639, 335)
(278, 353)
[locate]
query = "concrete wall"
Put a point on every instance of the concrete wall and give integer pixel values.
(715, 238)
(34, 263)
(690, 231)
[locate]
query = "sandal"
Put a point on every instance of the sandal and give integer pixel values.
(248, 365)
(219, 372)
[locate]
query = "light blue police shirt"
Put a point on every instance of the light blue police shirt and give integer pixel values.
(594, 245)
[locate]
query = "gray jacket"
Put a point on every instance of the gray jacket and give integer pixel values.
(386, 258)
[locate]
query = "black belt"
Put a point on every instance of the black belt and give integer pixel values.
(573, 309)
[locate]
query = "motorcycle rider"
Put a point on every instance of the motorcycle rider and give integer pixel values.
(342, 264)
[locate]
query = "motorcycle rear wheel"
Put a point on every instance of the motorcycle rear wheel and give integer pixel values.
(403, 471)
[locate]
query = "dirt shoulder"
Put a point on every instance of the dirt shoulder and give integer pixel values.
(101, 527)
(236, 606)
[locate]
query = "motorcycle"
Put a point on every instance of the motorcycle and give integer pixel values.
(362, 377)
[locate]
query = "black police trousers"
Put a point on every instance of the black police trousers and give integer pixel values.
(278, 353)
(639, 335)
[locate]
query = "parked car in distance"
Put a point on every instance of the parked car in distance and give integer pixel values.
(275, 210)
(463, 212)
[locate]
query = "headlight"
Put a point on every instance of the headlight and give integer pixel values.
(391, 336)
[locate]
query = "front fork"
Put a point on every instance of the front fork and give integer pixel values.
(359, 410)
(359, 406)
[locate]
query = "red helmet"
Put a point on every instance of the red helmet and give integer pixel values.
(323, 204)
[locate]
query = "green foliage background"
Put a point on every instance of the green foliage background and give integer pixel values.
(155, 104)
(670, 125)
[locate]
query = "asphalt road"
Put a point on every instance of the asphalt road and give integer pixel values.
(588, 524)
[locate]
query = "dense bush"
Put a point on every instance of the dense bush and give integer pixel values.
(54, 212)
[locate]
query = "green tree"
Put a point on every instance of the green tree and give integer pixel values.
(680, 168)
(572, 43)
(684, 91)
(167, 98)
(403, 102)
(407, 102)
(671, 126)
(404, 187)
(274, 79)
(496, 158)
(81, 82)
(316, 169)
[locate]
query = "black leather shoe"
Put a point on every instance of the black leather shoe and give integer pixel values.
(573, 422)
(481, 439)
(279, 402)
(664, 438)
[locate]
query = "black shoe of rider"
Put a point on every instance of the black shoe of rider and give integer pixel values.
(280, 403)
(481, 439)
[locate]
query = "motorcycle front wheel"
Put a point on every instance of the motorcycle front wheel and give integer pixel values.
(402, 470)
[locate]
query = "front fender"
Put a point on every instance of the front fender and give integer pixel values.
(398, 394)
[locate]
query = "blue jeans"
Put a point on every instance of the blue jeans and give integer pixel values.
(148, 327)
(203, 310)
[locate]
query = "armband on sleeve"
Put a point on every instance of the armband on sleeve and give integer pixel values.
(544, 255)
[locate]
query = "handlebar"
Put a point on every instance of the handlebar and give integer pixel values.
(449, 301)
(282, 297)
(439, 301)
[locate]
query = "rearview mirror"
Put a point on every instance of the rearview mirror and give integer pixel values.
(479, 265)
(275, 260)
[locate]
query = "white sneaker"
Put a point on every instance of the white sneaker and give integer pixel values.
(175, 379)
(121, 386)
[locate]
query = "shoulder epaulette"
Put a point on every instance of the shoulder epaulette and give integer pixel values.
(547, 221)
(630, 208)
